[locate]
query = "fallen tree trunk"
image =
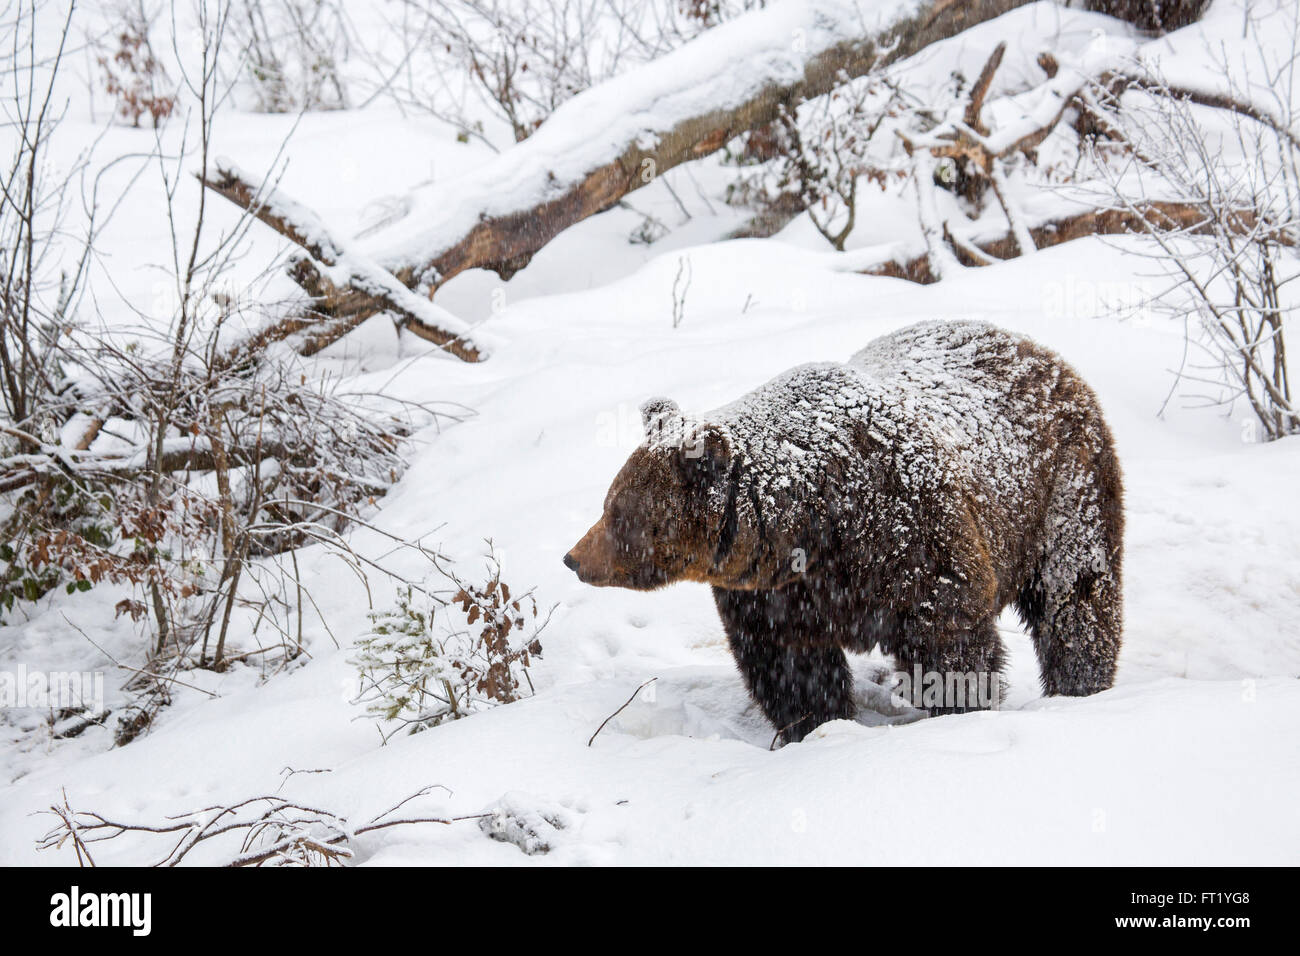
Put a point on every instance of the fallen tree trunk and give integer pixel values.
(617, 137)
(612, 139)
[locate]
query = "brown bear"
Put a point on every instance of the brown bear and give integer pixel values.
(900, 500)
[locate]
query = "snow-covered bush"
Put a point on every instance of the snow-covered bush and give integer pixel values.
(174, 459)
(814, 158)
(1231, 150)
(426, 661)
(523, 58)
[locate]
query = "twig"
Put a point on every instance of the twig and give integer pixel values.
(620, 710)
(777, 735)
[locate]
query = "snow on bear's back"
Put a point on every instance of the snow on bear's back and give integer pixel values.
(943, 398)
(937, 353)
(990, 395)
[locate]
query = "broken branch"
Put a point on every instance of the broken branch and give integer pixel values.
(346, 286)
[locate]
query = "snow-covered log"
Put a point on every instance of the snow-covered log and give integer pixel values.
(618, 136)
(346, 286)
(594, 150)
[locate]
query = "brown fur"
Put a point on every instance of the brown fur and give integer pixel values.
(898, 501)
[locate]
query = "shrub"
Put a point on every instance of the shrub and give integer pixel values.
(426, 661)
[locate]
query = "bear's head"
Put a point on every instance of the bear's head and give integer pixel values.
(666, 510)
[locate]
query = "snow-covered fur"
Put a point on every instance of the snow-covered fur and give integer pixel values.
(900, 500)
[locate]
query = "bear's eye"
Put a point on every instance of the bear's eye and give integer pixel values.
(623, 519)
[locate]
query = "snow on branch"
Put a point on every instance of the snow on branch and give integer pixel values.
(330, 271)
(595, 149)
(267, 830)
(901, 261)
(620, 135)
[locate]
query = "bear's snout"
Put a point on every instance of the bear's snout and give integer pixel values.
(597, 560)
(589, 559)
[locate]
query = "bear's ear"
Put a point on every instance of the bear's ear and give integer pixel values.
(709, 448)
(659, 415)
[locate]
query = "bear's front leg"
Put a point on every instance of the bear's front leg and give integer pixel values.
(798, 685)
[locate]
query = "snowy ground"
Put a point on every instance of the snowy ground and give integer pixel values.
(1191, 758)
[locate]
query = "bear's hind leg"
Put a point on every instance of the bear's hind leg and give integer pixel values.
(1076, 626)
(1073, 603)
